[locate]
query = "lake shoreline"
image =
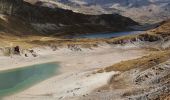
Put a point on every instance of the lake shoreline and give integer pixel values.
(105, 35)
(25, 77)
(75, 67)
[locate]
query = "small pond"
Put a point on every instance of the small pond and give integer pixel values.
(16, 80)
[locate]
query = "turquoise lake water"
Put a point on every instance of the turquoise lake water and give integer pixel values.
(13, 81)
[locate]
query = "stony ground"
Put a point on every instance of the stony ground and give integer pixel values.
(142, 75)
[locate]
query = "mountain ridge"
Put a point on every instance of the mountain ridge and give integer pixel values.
(56, 21)
(143, 11)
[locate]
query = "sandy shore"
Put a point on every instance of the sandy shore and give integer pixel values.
(76, 78)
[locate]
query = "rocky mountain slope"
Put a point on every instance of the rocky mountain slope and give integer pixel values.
(23, 37)
(56, 21)
(145, 11)
(145, 78)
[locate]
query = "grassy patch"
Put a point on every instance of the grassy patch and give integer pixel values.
(143, 62)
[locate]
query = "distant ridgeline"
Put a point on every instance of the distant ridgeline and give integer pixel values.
(57, 20)
(10, 6)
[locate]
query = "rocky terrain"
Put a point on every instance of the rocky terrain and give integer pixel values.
(144, 11)
(131, 67)
(145, 78)
(18, 15)
(140, 64)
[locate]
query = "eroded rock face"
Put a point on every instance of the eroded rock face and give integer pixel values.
(10, 6)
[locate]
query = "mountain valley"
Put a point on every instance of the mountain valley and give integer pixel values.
(46, 52)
